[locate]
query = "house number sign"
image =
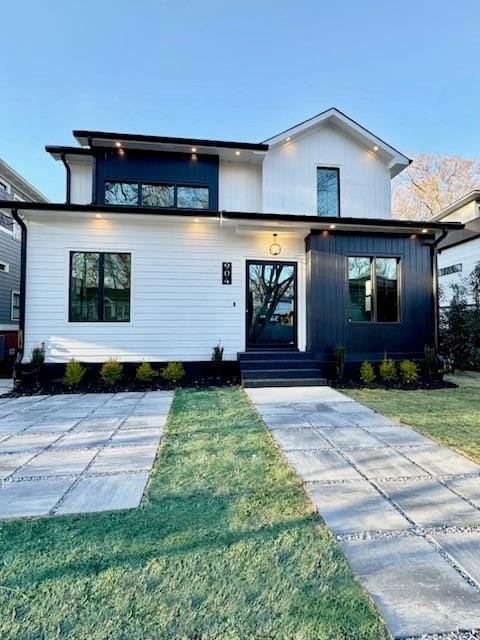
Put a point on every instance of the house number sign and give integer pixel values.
(226, 273)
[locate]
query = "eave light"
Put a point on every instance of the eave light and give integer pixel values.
(237, 153)
(424, 230)
(275, 248)
(194, 149)
(288, 139)
(118, 144)
(98, 215)
(375, 148)
(332, 226)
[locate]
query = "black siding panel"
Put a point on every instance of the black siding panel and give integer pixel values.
(327, 321)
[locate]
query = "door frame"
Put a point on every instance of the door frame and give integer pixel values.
(291, 263)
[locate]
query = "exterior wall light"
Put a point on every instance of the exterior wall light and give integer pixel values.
(275, 248)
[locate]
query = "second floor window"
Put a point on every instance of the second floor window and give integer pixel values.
(169, 196)
(328, 191)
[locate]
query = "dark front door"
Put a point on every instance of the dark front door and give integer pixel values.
(271, 304)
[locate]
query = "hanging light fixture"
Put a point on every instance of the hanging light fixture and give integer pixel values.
(275, 248)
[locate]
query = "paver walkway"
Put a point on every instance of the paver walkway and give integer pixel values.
(405, 510)
(78, 453)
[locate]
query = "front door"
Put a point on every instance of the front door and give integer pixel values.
(271, 304)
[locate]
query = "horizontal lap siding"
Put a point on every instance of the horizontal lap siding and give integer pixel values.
(179, 308)
(9, 253)
(468, 255)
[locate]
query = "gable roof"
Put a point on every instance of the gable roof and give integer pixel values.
(396, 160)
(472, 196)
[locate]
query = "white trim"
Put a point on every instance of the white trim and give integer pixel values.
(14, 292)
(9, 327)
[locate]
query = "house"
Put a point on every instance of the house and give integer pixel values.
(459, 253)
(12, 187)
(280, 250)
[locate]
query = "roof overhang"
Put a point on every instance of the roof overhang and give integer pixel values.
(395, 160)
(280, 221)
(75, 154)
(226, 150)
(473, 196)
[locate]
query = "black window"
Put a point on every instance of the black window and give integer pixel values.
(15, 312)
(100, 287)
(158, 195)
(328, 191)
(121, 193)
(373, 289)
(192, 197)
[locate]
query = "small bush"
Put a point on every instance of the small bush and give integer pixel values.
(37, 359)
(145, 373)
(217, 358)
(111, 372)
(433, 362)
(388, 371)
(74, 373)
(173, 372)
(367, 373)
(340, 354)
(408, 371)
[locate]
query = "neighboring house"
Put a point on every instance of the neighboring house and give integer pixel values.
(459, 253)
(280, 250)
(12, 187)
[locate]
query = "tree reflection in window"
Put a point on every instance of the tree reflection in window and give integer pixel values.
(121, 193)
(192, 197)
(158, 195)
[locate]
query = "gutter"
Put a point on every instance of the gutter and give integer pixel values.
(67, 168)
(436, 302)
(23, 283)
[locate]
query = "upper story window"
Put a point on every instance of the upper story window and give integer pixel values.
(99, 287)
(157, 195)
(328, 191)
(15, 305)
(373, 288)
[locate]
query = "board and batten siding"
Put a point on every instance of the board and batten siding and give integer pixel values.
(468, 255)
(179, 307)
(240, 187)
(289, 175)
(81, 182)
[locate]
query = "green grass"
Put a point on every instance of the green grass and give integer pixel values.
(450, 416)
(226, 546)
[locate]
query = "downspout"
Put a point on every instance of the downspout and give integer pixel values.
(23, 282)
(436, 302)
(67, 169)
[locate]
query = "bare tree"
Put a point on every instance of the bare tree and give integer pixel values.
(431, 183)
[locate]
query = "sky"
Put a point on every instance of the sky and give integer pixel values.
(235, 70)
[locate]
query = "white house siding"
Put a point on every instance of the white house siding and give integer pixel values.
(240, 187)
(81, 182)
(463, 214)
(467, 254)
(289, 175)
(179, 308)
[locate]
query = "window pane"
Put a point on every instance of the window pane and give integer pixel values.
(327, 192)
(157, 195)
(84, 287)
(121, 193)
(360, 289)
(387, 289)
(15, 306)
(192, 197)
(116, 295)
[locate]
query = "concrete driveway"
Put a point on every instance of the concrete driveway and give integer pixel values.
(405, 510)
(78, 453)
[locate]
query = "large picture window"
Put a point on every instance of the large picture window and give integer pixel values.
(328, 191)
(373, 289)
(100, 287)
(169, 196)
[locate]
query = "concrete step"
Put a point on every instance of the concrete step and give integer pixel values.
(281, 372)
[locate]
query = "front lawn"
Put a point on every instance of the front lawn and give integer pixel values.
(225, 547)
(450, 416)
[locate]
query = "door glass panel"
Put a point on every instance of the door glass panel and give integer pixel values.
(271, 304)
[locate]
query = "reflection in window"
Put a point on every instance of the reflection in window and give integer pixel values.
(328, 192)
(100, 287)
(360, 289)
(84, 278)
(192, 197)
(386, 289)
(158, 195)
(121, 193)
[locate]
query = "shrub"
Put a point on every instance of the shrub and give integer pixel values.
(217, 358)
(340, 353)
(433, 363)
(408, 371)
(111, 372)
(173, 372)
(74, 373)
(367, 373)
(388, 370)
(144, 373)
(37, 359)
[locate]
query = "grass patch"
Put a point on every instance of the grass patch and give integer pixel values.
(450, 416)
(225, 547)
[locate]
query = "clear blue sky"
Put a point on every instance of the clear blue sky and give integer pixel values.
(235, 69)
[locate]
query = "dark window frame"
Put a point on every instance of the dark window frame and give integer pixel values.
(337, 171)
(13, 317)
(373, 277)
(101, 288)
(122, 204)
(159, 183)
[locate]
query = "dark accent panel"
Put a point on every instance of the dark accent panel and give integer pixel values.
(171, 168)
(327, 297)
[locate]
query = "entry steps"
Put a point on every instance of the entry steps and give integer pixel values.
(277, 368)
